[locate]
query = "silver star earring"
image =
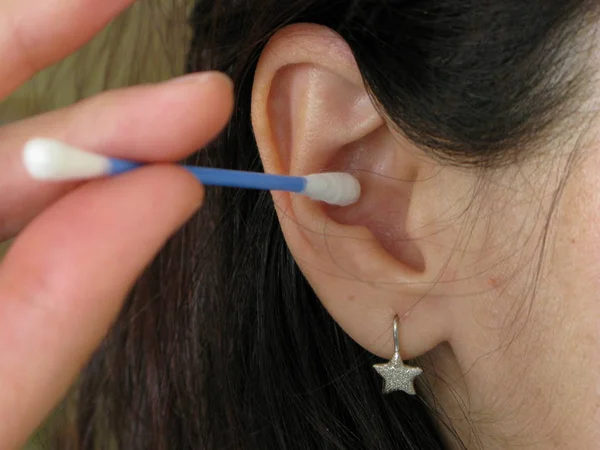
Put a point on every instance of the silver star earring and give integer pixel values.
(397, 376)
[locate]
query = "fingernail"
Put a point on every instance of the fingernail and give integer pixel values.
(196, 77)
(191, 78)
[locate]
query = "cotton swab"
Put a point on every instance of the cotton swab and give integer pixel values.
(47, 159)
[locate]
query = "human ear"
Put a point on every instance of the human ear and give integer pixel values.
(312, 113)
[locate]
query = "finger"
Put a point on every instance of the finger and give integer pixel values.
(35, 34)
(63, 282)
(163, 122)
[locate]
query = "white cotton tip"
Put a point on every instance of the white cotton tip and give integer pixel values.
(47, 159)
(335, 188)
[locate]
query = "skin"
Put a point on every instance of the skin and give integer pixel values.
(416, 246)
(80, 247)
(454, 254)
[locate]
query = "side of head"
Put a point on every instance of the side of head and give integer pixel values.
(467, 138)
(470, 125)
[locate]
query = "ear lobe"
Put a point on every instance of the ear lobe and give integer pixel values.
(312, 113)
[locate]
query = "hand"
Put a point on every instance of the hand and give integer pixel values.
(80, 247)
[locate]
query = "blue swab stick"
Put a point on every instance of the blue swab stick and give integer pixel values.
(47, 159)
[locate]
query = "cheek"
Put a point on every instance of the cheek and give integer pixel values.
(576, 255)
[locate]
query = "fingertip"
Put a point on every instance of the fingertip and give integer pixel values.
(162, 122)
(189, 184)
(226, 82)
(213, 105)
(212, 76)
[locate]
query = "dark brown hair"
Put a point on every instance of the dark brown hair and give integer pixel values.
(223, 344)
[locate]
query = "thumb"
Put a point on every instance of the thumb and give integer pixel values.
(64, 280)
